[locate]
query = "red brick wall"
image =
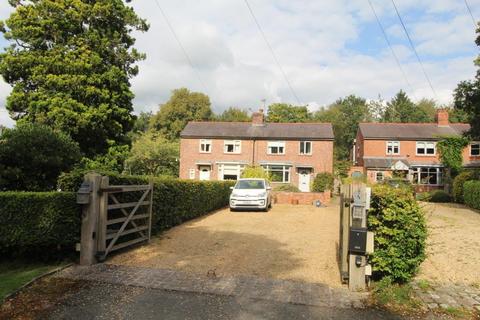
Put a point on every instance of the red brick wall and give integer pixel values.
(321, 158)
(301, 197)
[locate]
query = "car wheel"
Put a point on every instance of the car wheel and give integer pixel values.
(232, 210)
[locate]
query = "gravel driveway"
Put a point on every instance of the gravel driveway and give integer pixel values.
(453, 245)
(288, 242)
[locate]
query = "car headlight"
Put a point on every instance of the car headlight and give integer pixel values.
(234, 194)
(263, 194)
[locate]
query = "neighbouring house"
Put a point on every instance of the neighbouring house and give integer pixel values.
(291, 152)
(408, 150)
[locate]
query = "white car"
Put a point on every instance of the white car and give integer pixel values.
(251, 194)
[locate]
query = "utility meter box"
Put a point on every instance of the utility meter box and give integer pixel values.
(358, 240)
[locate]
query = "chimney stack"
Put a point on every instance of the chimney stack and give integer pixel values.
(257, 118)
(442, 117)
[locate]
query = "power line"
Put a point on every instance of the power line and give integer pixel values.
(272, 52)
(391, 49)
(187, 57)
(414, 50)
(471, 14)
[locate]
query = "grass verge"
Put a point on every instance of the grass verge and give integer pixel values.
(13, 275)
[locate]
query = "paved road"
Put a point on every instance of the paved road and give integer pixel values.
(108, 301)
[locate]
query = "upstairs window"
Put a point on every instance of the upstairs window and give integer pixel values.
(305, 147)
(393, 147)
(475, 149)
(205, 146)
(276, 147)
(425, 148)
(232, 146)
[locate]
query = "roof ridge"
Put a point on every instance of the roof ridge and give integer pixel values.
(412, 123)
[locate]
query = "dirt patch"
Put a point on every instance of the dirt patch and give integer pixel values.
(453, 253)
(288, 242)
(37, 300)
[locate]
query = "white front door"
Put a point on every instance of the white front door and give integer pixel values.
(204, 173)
(304, 181)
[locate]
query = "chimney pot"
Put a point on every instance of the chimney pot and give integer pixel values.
(442, 117)
(258, 118)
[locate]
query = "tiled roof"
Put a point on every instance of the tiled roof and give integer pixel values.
(406, 131)
(383, 162)
(247, 130)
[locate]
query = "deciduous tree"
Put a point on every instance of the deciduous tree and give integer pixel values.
(234, 114)
(283, 112)
(182, 107)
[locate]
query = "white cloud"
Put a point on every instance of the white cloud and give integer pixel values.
(318, 43)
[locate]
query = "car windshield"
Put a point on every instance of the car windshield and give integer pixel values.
(250, 184)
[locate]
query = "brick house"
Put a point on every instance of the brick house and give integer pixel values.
(291, 152)
(409, 150)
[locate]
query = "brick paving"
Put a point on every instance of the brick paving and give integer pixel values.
(286, 291)
(448, 295)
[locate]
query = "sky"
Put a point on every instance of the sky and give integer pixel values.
(327, 49)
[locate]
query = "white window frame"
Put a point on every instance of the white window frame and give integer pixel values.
(205, 142)
(305, 143)
(191, 174)
(275, 144)
(477, 146)
(286, 172)
(237, 146)
(391, 145)
(377, 176)
(426, 144)
(418, 171)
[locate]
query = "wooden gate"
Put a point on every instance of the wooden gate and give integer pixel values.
(125, 216)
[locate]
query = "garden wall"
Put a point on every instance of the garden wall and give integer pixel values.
(301, 197)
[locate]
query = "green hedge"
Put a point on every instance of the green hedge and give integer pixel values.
(460, 180)
(400, 233)
(46, 223)
(174, 200)
(471, 194)
(42, 223)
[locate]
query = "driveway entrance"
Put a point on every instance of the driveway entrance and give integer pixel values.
(289, 242)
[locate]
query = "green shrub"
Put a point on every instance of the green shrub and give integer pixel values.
(287, 188)
(255, 172)
(424, 196)
(38, 223)
(33, 156)
(323, 182)
(460, 180)
(400, 233)
(174, 200)
(471, 194)
(439, 196)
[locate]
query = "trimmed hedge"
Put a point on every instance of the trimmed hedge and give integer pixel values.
(286, 188)
(45, 223)
(435, 196)
(400, 233)
(174, 200)
(471, 194)
(42, 223)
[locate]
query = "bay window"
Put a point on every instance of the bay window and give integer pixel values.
(427, 175)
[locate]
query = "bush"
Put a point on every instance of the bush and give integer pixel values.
(174, 200)
(33, 156)
(439, 196)
(400, 233)
(255, 172)
(287, 188)
(43, 224)
(460, 180)
(471, 194)
(323, 182)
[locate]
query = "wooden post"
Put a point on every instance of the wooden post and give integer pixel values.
(344, 229)
(88, 243)
(102, 220)
(150, 211)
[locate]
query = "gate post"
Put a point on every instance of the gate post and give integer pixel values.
(90, 212)
(102, 220)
